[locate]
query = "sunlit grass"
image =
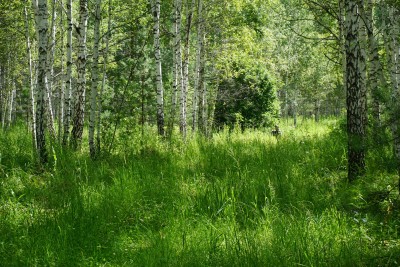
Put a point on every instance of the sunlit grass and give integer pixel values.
(236, 199)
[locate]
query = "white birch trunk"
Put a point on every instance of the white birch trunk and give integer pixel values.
(68, 76)
(79, 110)
(355, 98)
(50, 72)
(95, 74)
(197, 81)
(177, 63)
(157, 52)
(30, 77)
(201, 85)
(11, 107)
(62, 80)
(185, 72)
(42, 28)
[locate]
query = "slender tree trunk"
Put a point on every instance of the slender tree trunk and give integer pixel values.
(42, 28)
(50, 72)
(342, 41)
(30, 77)
(95, 78)
(375, 69)
(11, 105)
(356, 98)
(185, 72)
(62, 80)
(68, 76)
(79, 110)
(176, 64)
(160, 90)
(362, 64)
(202, 85)
(198, 76)
(103, 83)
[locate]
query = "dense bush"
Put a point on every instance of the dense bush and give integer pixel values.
(246, 99)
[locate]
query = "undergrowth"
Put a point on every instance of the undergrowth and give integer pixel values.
(236, 199)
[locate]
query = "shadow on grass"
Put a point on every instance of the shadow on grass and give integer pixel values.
(194, 205)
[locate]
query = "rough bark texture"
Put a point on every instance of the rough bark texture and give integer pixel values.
(42, 28)
(160, 90)
(68, 78)
(79, 110)
(356, 95)
(62, 80)
(50, 71)
(95, 75)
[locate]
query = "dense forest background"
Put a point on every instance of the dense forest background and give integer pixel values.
(248, 62)
(199, 132)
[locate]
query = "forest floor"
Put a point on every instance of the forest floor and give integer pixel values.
(238, 199)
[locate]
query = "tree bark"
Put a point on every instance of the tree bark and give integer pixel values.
(202, 86)
(79, 110)
(42, 28)
(30, 77)
(95, 75)
(177, 74)
(198, 83)
(356, 95)
(11, 104)
(185, 72)
(159, 82)
(68, 76)
(50, 71)
(62, 80)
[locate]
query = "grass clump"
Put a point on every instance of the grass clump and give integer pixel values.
(237, 199)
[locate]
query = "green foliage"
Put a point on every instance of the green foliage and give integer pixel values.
(244, 98)
(235, 200)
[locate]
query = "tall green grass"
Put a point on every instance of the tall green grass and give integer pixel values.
(236, 199)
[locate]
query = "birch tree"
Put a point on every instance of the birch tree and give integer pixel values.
(30, 78)
(198, 65)
(356, 97)
(185, 72)
(42, 28)
(177, 63)
(62, 80)
(79, 110)
(157, 53)
(68, 75)
(95, 74)
(50, 69)
(200, 95)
